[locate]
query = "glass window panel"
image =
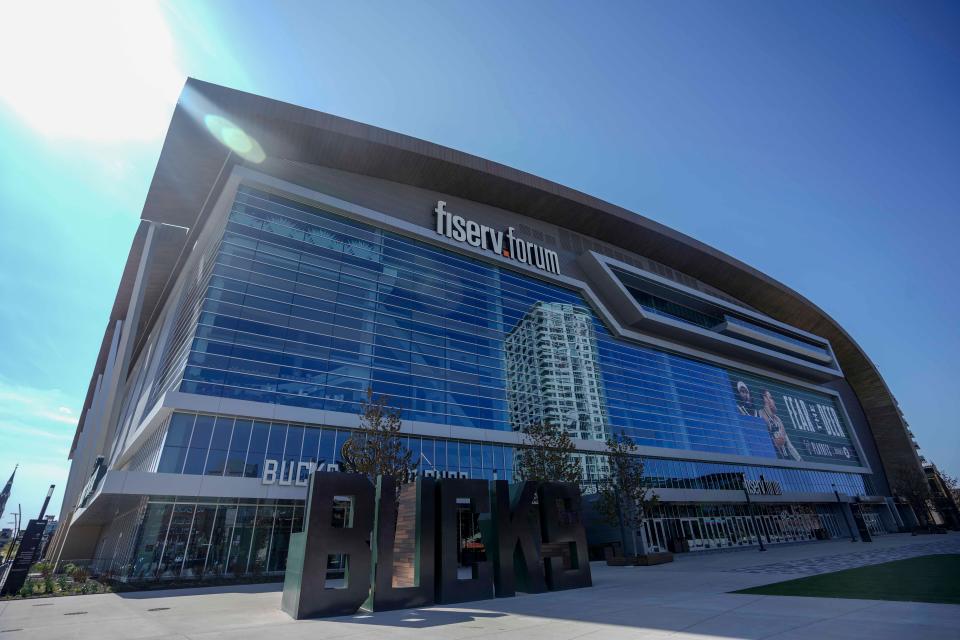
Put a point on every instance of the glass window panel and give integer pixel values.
(175, 547)
(258, 449)
(218, 554)
(153, 533)
(328, 451)
(294, 443)
(181, 426)
(199, 542)
(240, 522)
(282, 527)
(311, 444)
(238, 447)
(263, 530)
(172, 459)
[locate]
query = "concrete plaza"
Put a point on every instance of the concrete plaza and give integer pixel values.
(686, 599)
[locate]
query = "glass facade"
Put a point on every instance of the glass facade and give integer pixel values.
(301, 307)
(693, 527)
(190, 538)
(217, 445)
(308, 308)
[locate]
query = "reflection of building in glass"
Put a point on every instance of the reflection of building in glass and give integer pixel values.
(553, 374)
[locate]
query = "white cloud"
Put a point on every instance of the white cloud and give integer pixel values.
(99, 71)
(13, 428)
(40, 412)
(36, 429)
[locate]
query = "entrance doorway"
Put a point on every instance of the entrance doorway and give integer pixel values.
(655, 535)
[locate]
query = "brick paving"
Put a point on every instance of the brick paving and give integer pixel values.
(852, 560)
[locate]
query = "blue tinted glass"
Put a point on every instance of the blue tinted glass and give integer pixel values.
(195, 461)
(294, 443)
(311, 445)
(202, 431)
(181, 426)
(309, 309)
(171, 460)
(238, 448)
(221, 433)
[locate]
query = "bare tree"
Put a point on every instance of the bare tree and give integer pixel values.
(912, 486)
(548, 456)
(376, 448)
(625, 498)
(952, 485)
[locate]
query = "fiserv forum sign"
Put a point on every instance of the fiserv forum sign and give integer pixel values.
(402, 548)
(504, 244)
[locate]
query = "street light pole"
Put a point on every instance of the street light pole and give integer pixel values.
(16, 532)
(853, 538)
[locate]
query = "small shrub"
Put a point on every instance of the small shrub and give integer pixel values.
(44, 568)
(62, 583)
(48, 585)
(80, 574)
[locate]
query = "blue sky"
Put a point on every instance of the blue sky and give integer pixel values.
(817, 141)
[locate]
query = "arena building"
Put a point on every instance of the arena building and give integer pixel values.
(288, 260)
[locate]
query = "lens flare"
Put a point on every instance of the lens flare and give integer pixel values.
(234, 138)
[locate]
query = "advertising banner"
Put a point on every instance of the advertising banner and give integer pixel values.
(803, 425)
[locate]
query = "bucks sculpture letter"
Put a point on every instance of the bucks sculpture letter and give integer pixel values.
(404, 549)
(407, 517)
(304, 587)
(514, 531)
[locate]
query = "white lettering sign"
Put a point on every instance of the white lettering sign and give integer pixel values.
(814, 418)
(489, 239)
(437, 473)
(292, 472)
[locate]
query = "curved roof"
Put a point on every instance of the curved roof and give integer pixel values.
(193, 165)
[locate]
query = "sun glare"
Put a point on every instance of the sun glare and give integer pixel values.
(235, 138)
(98, 71)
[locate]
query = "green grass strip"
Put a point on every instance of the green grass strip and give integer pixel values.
(933, 578)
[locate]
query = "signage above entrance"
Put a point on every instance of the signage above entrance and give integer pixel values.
(504, 244)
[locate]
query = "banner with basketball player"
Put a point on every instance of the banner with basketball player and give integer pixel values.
(802, 425)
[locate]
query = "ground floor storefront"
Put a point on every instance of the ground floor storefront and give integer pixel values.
(171, 538)
(696, 527)
(681, 528)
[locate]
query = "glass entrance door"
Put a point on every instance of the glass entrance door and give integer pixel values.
(654, 535)
(693, 532)
(874, 523)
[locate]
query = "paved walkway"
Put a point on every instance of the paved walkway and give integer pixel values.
(684, 600)
(860, 558)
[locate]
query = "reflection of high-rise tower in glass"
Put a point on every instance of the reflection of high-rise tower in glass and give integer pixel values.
(553, 374)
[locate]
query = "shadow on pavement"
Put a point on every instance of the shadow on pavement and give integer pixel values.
(416, 618)
(145, 594)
